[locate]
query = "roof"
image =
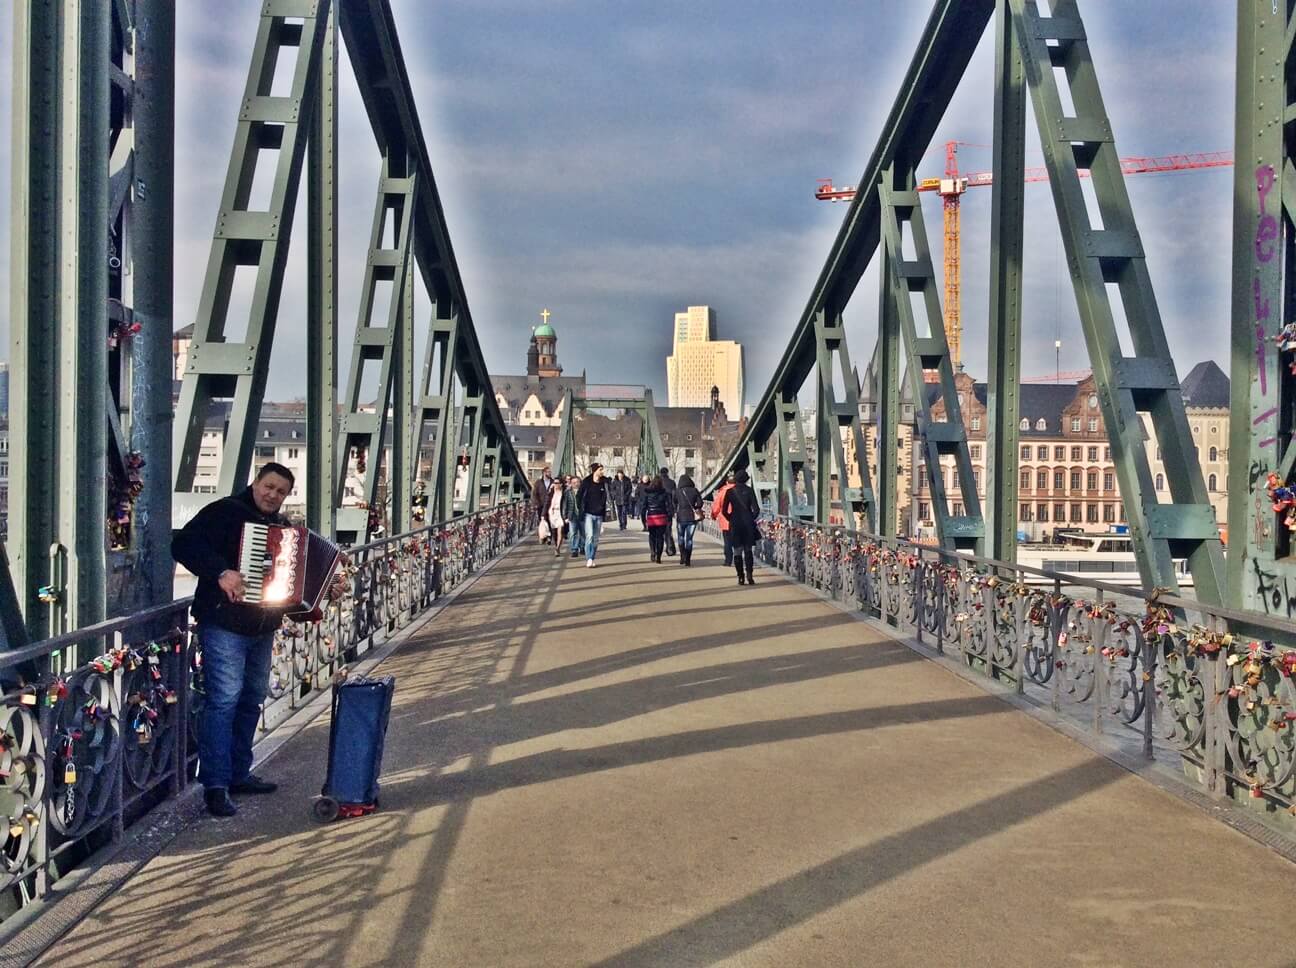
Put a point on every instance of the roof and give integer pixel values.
(544, 329)
(1039, 401)
(1206, 385)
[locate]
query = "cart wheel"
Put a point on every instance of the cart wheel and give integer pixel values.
(325, 809)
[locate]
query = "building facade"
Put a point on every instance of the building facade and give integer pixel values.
(700, 362)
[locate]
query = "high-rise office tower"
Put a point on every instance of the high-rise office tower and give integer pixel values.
(700, 362)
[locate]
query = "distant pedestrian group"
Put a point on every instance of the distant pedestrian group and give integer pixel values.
(571, 512)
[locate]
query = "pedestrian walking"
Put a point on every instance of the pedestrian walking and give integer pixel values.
(540, 498)
(573, 516)
(657, 516)
(717, 513)
(592, 500)
(669, 486)
(688, 512)
(554, 515)
(743, 511)
(640, 496)
(620, 493)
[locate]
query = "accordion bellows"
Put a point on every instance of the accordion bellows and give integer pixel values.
(286, 567)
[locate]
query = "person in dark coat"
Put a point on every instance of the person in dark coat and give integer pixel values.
(591, 499)
(669, 486)
(574, 517)
(619, 491)
(639, 490)
(742, 508)
(540, 494)
(688, 512)
(658, 508)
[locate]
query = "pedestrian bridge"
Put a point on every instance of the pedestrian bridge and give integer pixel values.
(644, 764)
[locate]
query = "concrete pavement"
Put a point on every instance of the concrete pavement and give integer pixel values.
(643, 764)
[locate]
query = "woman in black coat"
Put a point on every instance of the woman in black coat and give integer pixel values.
(743, 511)
(688, 512)
(657, 509)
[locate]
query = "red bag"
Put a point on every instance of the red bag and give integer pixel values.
(657, 520)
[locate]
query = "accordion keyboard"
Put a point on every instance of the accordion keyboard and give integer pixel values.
(252, 561)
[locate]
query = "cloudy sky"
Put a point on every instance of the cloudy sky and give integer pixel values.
(617, 162)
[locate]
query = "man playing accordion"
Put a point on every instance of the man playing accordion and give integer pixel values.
(236, 636)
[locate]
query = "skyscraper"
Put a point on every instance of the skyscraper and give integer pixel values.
(700, 362)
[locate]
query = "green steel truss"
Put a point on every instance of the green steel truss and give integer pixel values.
(650, 455)
(1028, 48)
(1261, 565)
(362, 436)
(232, 373)
(928, 352)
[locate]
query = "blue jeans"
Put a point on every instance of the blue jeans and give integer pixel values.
(577, 533)
(621, 515)
(593, 524)
(684, 530)
(236, 675)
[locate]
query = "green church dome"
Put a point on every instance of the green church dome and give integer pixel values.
(544, 329)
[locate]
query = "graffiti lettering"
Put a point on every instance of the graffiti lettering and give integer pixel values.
(1275, 593)
(1255, 472)
(1266, 233)
(1261, 349)
(1261, 304)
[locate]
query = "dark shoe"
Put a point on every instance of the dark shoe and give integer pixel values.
(741, 580)
(253, 785)
(218, 802)
(750, 579)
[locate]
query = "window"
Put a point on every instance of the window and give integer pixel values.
(1093, 401)
(1075, 480)
(924, 512)
(688, 436)
(1059, 453)
(976, 423)
(1076, 452)
(1093, 454)
(1109, 513)
(1091, 513)
(1160, 482)
(1214, 455)
(958, 510)
(1075, 425)
(688, 453)
(1213, 429)
(292, 453)
(296, 435)
(1024, 512)
(266, 434)
(265, 452)
(1041, 424)
(4, 468)
(1041, 453)
(976, 479)
(618, 451)
(1059, 513)
(1025, 424)
(976, 451)
(1059, 480)
(1075, 513)
(1091, 481)
(1041, 512)
(1212, 483)
(1041, 480)
(954, 478)
(1026, 452)
(1196, 430)
(1093, 425)
(1106, 453)
(1025, 480)
(1109, 481)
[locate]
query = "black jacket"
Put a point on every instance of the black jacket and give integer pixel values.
(619, 490)
(209, 545)
(657, 501)
(591, 497)
(688, 501)
(668, 484)
(742, 508)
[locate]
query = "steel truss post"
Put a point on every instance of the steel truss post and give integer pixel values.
(321, 291)
(564, 450)
(1263, 410)
(856, 501)
(758, 469)
(218, 367)
(436, 406)
(1007, 208)
(1112, 255)
(473, 443)
(59, 317)
(404, 462)
(887, 378)
(389, 260)
(793, 466)
(929, 351)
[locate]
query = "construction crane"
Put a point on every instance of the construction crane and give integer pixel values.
(952, 185)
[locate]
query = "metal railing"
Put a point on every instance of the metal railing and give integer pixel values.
(96, 726)
(1167, 668)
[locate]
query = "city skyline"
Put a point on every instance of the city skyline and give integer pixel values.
(669, 102)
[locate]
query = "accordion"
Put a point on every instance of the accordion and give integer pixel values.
(285, 567)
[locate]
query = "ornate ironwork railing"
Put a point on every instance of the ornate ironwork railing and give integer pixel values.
(1167, 668)
(97, 726)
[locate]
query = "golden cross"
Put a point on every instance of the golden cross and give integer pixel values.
(545, 314)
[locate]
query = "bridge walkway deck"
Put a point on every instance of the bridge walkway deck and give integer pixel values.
(644, 764)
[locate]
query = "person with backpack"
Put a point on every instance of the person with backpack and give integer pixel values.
(688, 512)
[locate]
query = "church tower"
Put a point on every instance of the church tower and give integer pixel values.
(546, 344)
